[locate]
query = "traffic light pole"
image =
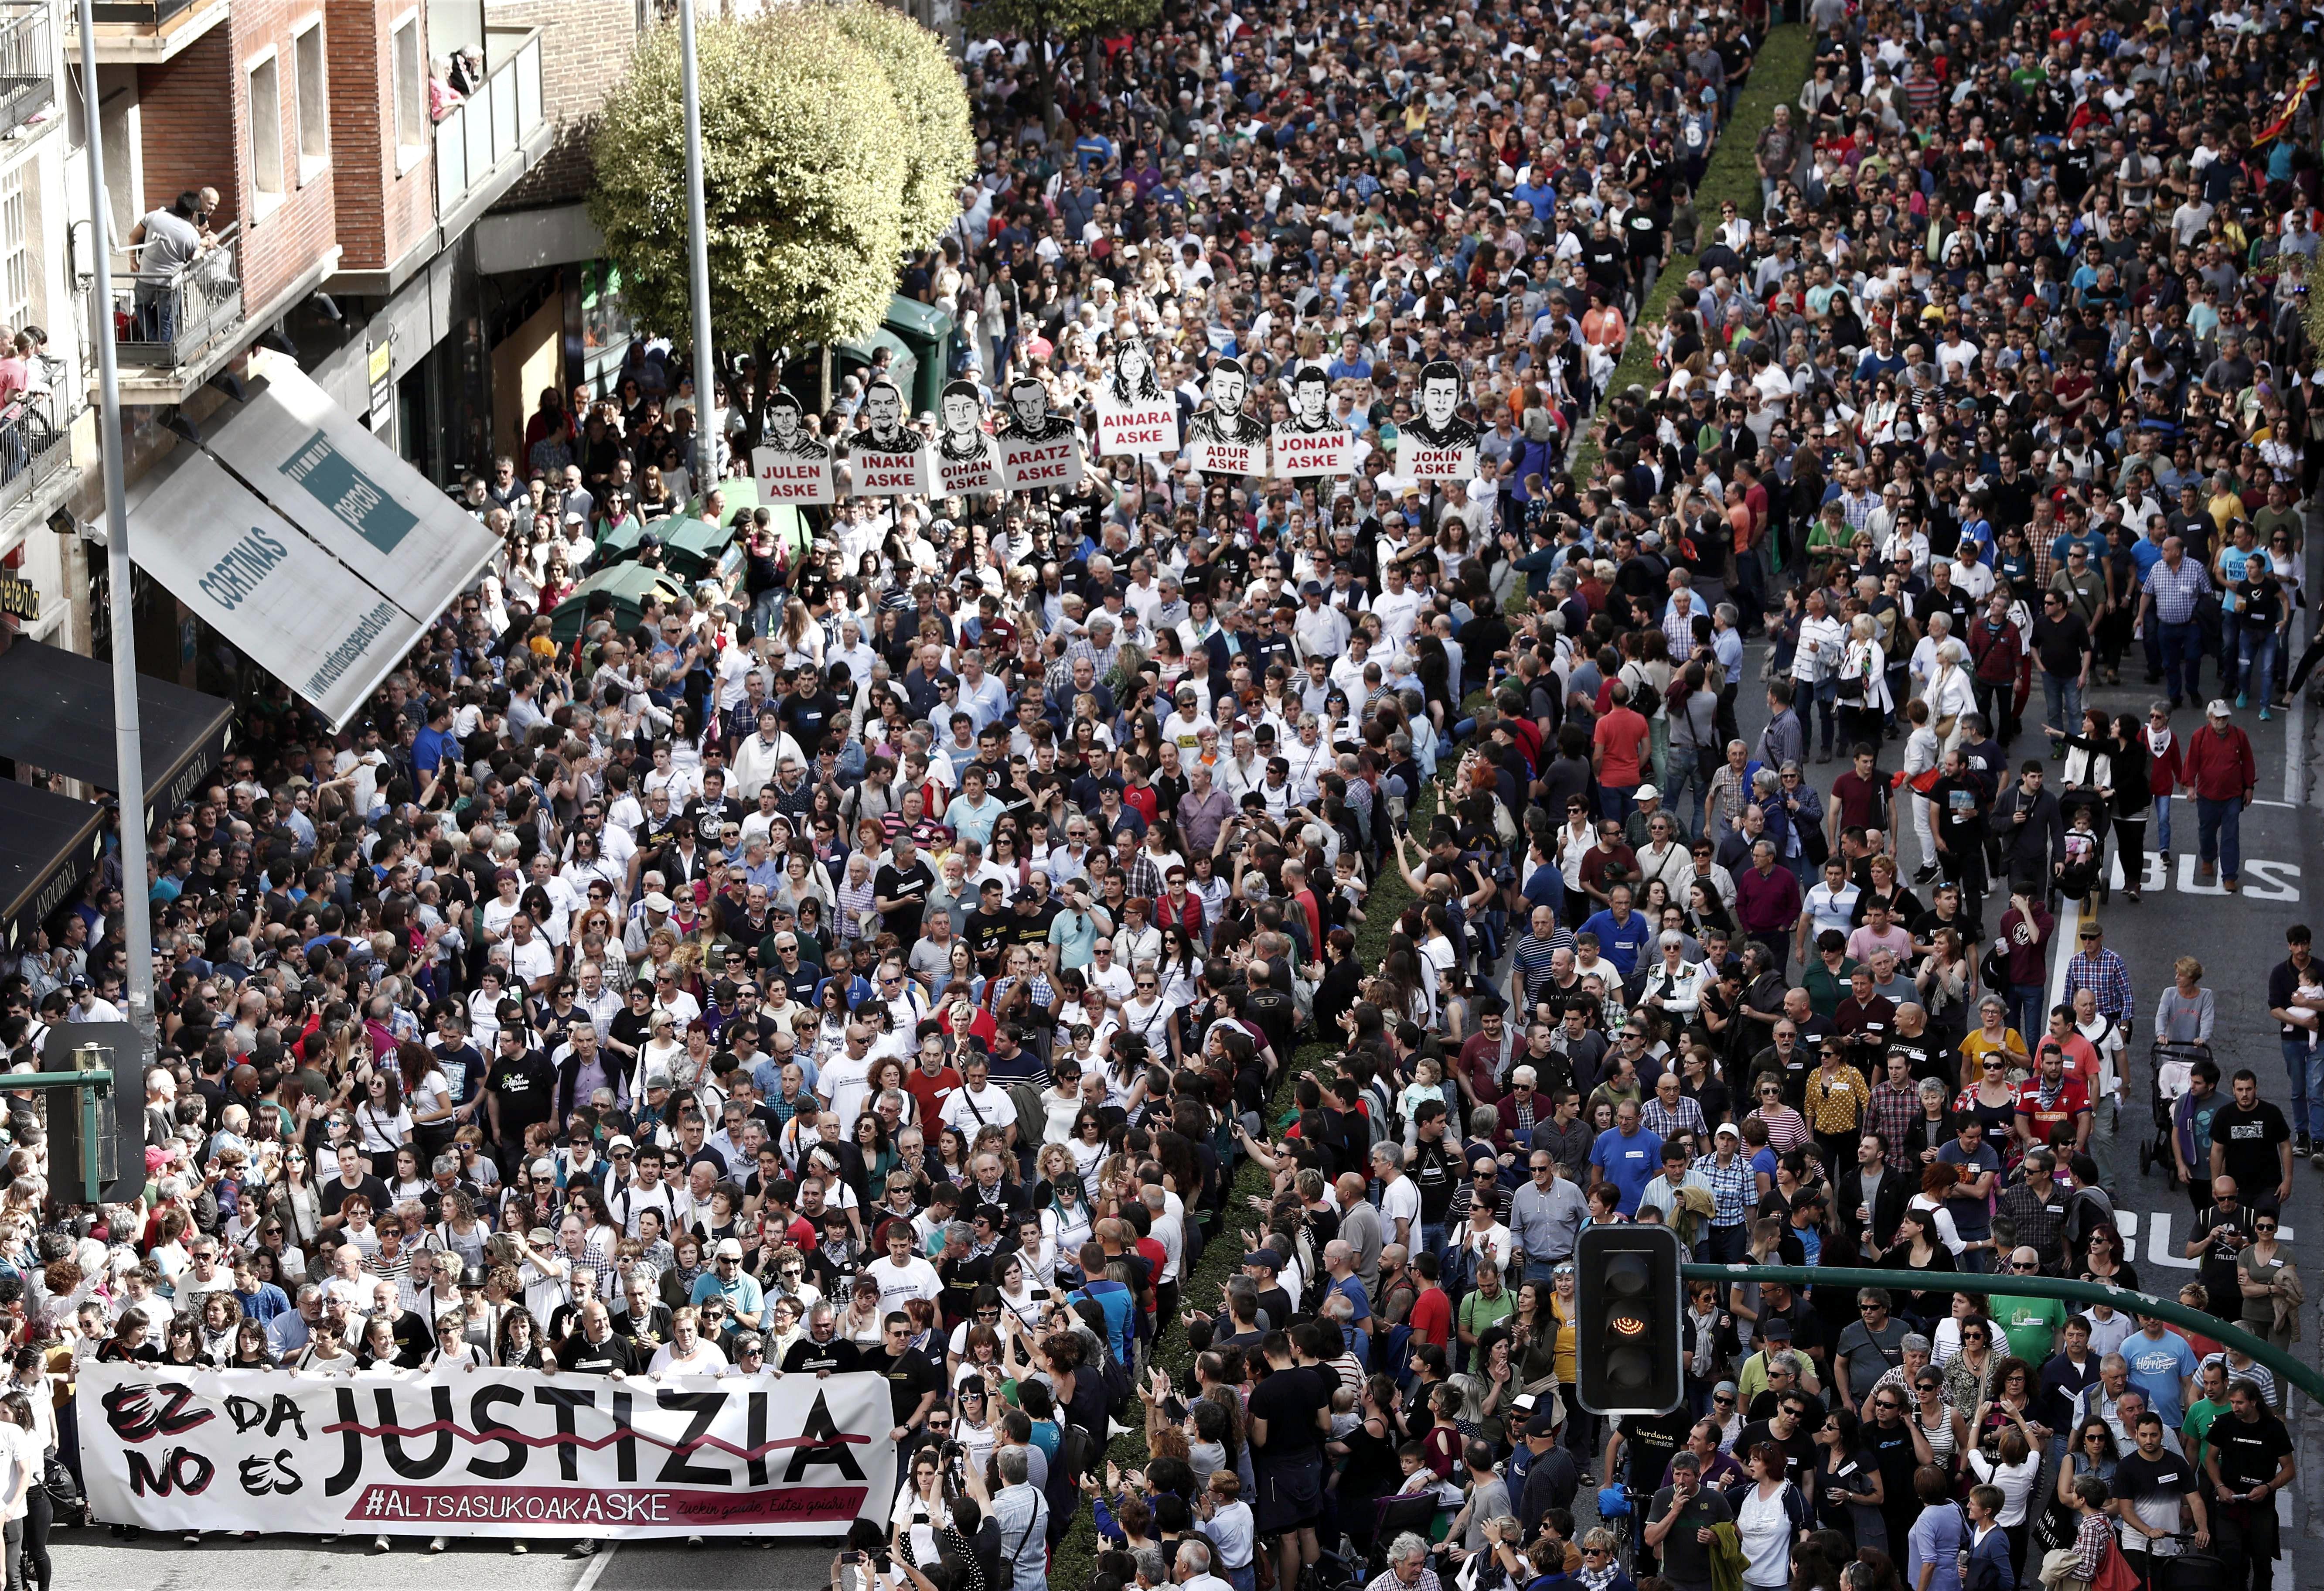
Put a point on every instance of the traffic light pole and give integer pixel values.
(93, 1086)
(2302, 1375)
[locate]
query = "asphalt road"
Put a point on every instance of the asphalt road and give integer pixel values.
(2237, 937)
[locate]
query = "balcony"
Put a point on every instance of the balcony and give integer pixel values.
(36, 447)
(490, 139)
(27, 62)
(167, 320)
(132, 32)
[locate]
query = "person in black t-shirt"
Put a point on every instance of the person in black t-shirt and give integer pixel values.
(822, 1351)
(1793, 1428)
(2248, 1459)
(2252, 1143)
(1290, 1411)
(900, 890)
(914, 1385)
(520, 1090)
(2155, 1487)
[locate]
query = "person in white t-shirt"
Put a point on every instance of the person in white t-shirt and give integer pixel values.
(903, 1275)
(688, 1352)
(1400, 1204)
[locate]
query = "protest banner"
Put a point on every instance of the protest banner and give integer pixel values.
(452, 1452)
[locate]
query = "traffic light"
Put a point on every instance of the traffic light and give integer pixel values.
(1626, 1317)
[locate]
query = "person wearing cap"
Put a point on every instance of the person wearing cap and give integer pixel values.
(2219, 767)
(746, 1303)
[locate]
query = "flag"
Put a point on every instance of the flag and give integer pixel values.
(2288, 107)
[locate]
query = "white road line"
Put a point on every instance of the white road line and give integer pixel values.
(597, 1566)
(2295, 721)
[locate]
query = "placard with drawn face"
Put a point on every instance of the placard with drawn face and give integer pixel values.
(792, 466)
(1226, 438)
(1437, 444)
(1134, 414)
(885, 457)
(967, 463)
(1038, 447)
(1312, 443)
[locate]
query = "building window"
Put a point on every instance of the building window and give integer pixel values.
(410, 91)
(266, 130)
(314, 101)
(16, 250)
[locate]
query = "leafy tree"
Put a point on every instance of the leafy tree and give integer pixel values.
(1060, 23)
(807, 159)
(940, 155)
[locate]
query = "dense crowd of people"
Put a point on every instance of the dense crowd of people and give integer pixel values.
(896, 953)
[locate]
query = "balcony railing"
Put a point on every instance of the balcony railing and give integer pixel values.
(147, 14)
(27, 59)
(477, 135)
(35, 445)
(167, 319)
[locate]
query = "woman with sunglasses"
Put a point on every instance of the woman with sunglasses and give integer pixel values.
(2092, 1452)
(2102, 1258)
(1940, 1424)
(1850, 1493)
(182, 1344)
(2270, 1285)
(1991, 1099)
(294, 1204)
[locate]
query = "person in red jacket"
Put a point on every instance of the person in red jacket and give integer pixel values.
(2220, 768)
(2165, 771)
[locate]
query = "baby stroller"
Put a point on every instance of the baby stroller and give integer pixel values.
(2167, 1080)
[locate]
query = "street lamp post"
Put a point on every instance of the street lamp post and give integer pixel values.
(705, 415)
(137, 926)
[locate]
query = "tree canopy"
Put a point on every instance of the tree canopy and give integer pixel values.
(827, 143)
(940, 149)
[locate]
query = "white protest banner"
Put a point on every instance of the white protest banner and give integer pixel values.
(1225, 438)
(1134, 414)
(796, 475)
(1039, 448)
(1146, 428)
(1417, 458)
(792, 465)
(1237, 459)
(1029, 462)
(875, 472)
(967, 463)
(300, 614)
(887, 458)
(1301, 455)
(1437, 444)
(488, 1452)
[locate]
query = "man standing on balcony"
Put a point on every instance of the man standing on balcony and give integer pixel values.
(169, 240)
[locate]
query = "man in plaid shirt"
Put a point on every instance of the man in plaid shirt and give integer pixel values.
(2103, 973)
(1734, 1190)
(1896, 1101)
(1669, 1113)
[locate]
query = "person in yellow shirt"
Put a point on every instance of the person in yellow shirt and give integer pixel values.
(1993, 1034)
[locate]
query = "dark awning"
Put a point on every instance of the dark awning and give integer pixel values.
(48, 843)
(56, 713)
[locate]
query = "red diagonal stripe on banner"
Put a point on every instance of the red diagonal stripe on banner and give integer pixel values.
(590, 1443)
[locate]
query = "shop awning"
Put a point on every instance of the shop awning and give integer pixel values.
(326, 472)
(56, 712)
(48, 843)
(247, 572)
(303, 540)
